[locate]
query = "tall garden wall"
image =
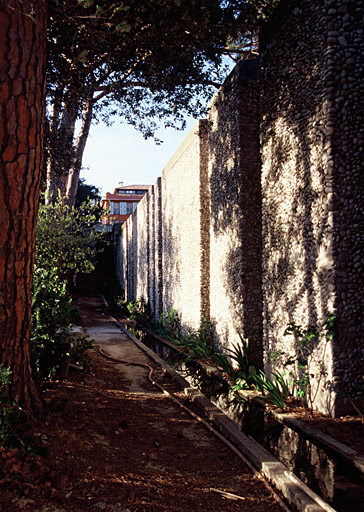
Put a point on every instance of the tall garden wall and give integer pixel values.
(312, 138)
(257, 220)
(184, 270)
(235, 211)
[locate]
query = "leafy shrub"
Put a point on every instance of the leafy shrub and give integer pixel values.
(65, 238)
(65, 244)
(276, 390)
(139, 311)
(9, 411)
(80, 346)
(170, 324)
(245, 370)
(52, 315)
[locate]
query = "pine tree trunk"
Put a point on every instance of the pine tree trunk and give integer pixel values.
(22, 107)
(74, 175)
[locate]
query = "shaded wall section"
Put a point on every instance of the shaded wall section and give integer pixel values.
(184, 247)
(235, 220)
(312, 187)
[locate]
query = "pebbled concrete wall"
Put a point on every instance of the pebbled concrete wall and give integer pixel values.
(258, 234)
(183, 273)
(198, 245)
(312, 185)
(235, 218)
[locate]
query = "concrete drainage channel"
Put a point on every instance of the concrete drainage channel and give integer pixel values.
(325, 465)
(296, 492)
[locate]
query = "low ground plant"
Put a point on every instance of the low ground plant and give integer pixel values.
(275, 389)
(299, 365)
(79, 353)
(139, 311)
(10, 411)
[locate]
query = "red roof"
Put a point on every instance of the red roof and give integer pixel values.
(123, 197)
(134, 187)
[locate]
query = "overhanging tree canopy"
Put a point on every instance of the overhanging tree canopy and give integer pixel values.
(83, 72)
(143, 61)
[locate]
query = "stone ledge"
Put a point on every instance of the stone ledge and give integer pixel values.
(324, 440)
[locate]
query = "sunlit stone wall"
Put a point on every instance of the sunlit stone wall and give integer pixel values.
(235, 219)
(142, 249)
(259, 239)
(312, 134)
(119, 255)
(181, 206)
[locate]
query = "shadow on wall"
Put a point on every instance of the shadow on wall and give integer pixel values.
(236, 211)
(306, 180)
(171, 250)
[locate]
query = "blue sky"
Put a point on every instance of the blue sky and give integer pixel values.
(119, 153)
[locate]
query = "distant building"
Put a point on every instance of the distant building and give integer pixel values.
(120, 204)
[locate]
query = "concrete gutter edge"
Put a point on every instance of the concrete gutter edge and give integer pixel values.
(340, 449)
(295, 491)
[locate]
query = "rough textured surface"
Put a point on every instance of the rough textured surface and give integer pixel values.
(181, 229)
(235, 221)
(116, 443)
(256, 237)
(312, 185)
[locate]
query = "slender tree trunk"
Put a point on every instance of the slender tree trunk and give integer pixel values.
(51, 133)
(62, 151)
(74, 175)
(22, 107)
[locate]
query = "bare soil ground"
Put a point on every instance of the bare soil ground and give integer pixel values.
(114, 443)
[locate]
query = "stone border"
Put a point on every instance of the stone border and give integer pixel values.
(322, 440)
(295, 491)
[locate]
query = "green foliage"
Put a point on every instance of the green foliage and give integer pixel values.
(51, 304)
(81, 344)
(222, 362)
(148, 61)
(329, 327)
(305, 342)
(240, 354)
(144, 63)
(52, 315)
(65, 244)
(86, 193)
(9, 410)
(65, 238)
(170, 323)
(275, 390)
(139, 311)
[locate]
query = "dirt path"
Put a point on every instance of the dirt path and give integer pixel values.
(120, 445)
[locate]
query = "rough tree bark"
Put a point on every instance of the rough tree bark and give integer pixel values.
(61, 135)
(22, 108)
(74, 176)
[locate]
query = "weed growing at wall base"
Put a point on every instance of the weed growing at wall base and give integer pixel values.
(306, 340)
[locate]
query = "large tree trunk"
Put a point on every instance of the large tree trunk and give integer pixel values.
(74, 174)
(22, 107)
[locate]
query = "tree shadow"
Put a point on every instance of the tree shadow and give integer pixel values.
(234, 182)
